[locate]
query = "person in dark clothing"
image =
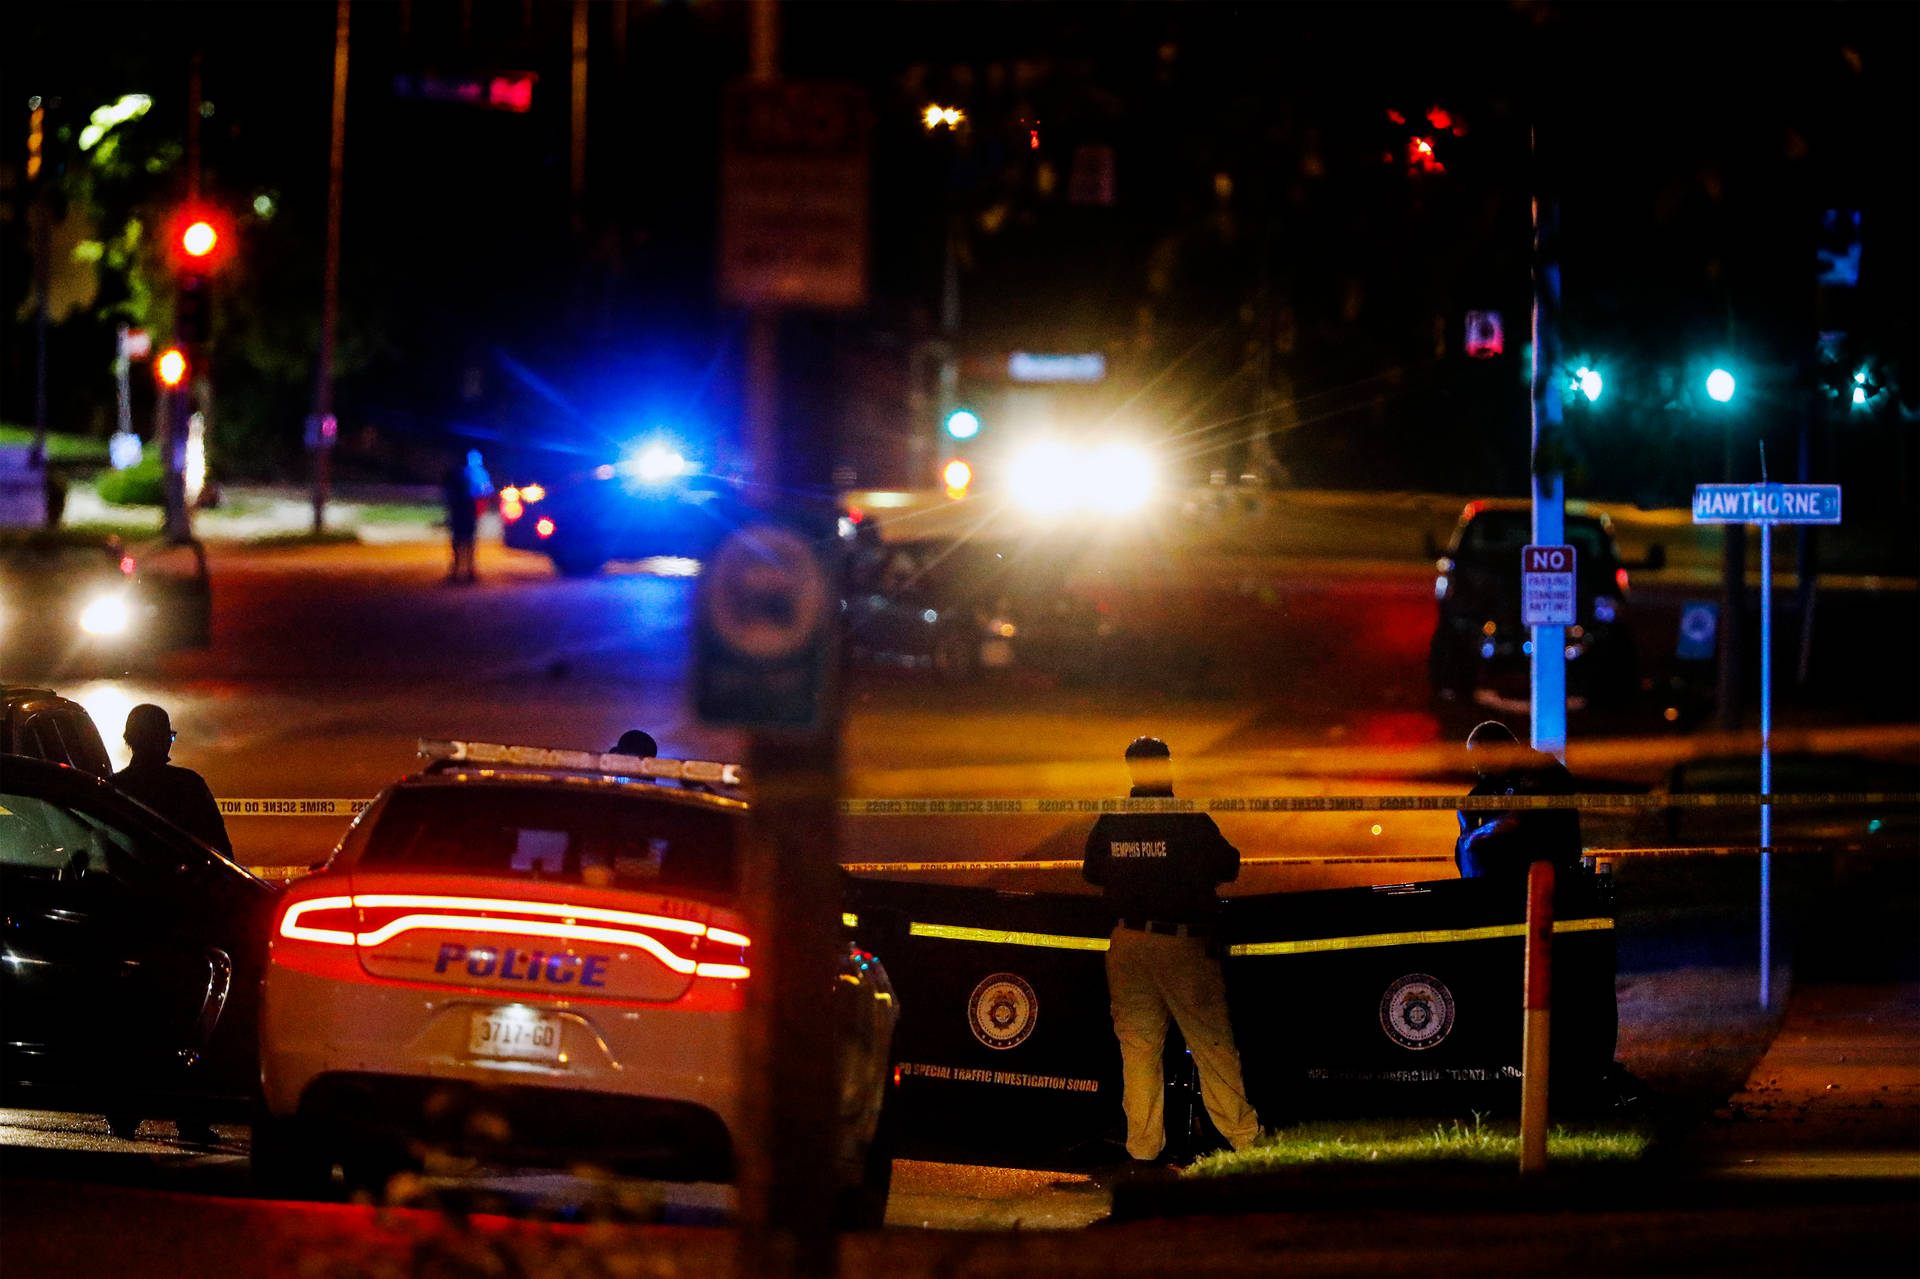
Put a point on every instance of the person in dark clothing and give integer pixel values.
(178, 794)
(463, 519)
(1505, 843)
(635, 742)
(1158, 872)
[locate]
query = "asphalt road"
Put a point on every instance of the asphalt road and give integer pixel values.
(1269, 675)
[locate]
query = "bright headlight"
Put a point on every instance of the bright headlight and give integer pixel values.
(1045, 478)
(1121, 479)
(105, 615)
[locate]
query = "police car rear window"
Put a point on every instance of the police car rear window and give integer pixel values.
(616, 840)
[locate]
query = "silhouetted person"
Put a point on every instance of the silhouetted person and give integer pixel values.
(177, 794)
(636, 742)
(1506, 843)
(1158, 872)
(464, 487)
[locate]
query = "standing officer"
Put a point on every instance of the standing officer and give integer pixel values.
(178, 794)
(1158, 871)
(1506, 843)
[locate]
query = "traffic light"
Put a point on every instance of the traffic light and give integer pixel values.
(962, 424)
(199, 239)
(171, 367)
(957, 475)
(1720, 385)
(199, 247)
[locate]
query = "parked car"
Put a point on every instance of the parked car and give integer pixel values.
(1480, 649)
(131, 959)
(538, 963)
(961, 607)
(73, 600)
(40, 723)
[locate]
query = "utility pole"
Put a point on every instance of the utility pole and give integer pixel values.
(1549, 696)
(790, 878)
(320, 427)
(40, 218)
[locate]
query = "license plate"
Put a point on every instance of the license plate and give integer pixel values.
(515, 1034)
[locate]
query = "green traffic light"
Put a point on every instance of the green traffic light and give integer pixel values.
(1720, 385)
(962, 425)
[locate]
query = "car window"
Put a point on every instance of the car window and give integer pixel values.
(40, 834)
(615, 839)
(1492, 534)
(83, 745)
(44, 740)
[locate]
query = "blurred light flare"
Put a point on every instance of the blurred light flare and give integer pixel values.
(1720, 385)
(957, 476)
(963, 424)
(106, 615)
(199, 239)
(171, 366)
(130, 107)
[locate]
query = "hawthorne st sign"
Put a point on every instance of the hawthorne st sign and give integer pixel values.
(1766, 504)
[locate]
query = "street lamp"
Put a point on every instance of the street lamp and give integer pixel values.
(1588, 382)
(1720, 385)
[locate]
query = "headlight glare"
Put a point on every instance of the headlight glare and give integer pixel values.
(105, 615)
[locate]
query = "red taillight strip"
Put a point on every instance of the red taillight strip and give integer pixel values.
(530, 928)
(291, 928)
(558, 910)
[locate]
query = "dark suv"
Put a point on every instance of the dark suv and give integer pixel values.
(40, 723)
(1481, 651)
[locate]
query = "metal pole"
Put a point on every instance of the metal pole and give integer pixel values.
(1535, 1054)
(1549, 666)
(320, 443)
(1766, 761)
(577, 145)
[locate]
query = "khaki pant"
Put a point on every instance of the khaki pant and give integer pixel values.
(1149, 976)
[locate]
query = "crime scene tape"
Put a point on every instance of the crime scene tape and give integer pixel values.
(1299, 946)
(1075, 863)
(1235, 804)
(291, 807)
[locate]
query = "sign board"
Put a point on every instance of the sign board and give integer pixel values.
(793, 195)
(1547, 592)
(135, 344)
(1024, 366)
(496, 91)
(763, 651)
(23, 488)
(1766, 504)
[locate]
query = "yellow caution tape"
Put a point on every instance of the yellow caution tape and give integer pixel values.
(1312, 945)
(1304, 946)
(1074, 863)
(1230, 804)
(292, 807)
(1055, 941)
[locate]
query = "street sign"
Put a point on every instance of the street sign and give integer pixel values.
(1766, 503)
(793, 195)
(135, 344)
(1547, 593)
(763, 651)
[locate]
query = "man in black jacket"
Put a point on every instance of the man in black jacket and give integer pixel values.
(177, 794)
(1158, 871)
(1506, 843)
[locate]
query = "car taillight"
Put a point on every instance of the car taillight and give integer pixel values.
(326, 921)
(723, 955)
(511, 508)
(1620, 578)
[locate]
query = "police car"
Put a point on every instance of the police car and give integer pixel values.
(529, 957)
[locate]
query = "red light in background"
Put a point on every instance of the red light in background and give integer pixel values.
(1395, 116)
(126, 565)
(171, 367)
(855, 514)
(1620, 579)
(1033, 139)
(199, 239)
(1440, 118)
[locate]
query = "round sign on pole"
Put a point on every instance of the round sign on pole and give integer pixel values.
(768, 595)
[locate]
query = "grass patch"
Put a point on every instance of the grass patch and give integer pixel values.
(131, 529)
(61, 446)
(306, 537)
(1382, 1142)
(399, 512)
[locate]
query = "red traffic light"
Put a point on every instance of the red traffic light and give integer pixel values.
(171, 367)
(199, 239)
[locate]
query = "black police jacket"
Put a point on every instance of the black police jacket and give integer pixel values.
(1161, 866)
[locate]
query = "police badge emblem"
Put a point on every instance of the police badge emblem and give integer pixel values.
(1417, 1011)
(1002, 1010)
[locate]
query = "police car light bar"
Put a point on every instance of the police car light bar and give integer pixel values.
(690, 770)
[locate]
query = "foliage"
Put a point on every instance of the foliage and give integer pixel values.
(62, 446)
(141, 485)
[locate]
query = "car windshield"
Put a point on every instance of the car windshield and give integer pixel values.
(1494, 534)
(55, 556)
(609, 839)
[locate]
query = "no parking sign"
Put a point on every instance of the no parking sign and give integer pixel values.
(1547, 594)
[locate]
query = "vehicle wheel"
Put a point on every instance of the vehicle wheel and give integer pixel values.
(287, 1162)
(863, 1205)
(124, 1126)
(954, 655)
(577, 563)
